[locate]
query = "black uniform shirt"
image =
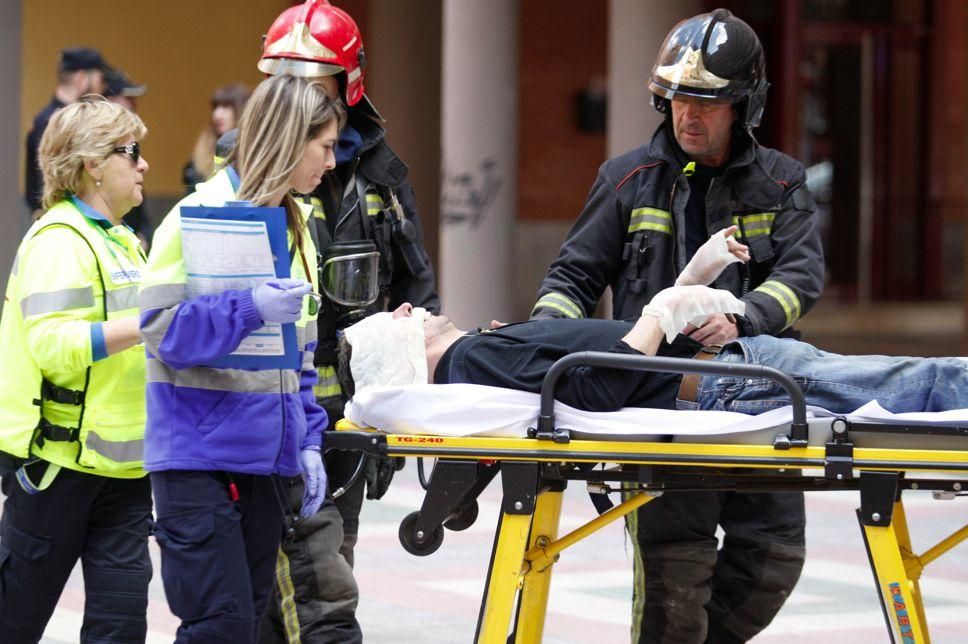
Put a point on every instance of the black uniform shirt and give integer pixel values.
(518, 356)
(696, 207)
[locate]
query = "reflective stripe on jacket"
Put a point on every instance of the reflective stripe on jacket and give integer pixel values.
(206, 418)
(53, 297)
(631, 236)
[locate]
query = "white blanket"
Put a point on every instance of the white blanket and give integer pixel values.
(477, 410)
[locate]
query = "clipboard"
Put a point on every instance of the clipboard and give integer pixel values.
(274, 220)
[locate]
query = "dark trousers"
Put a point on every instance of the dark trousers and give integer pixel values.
(688, 592)
(217, 556)
(315, 595)
(102, 521)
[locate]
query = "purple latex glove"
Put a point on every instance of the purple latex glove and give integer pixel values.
(280, 300)
(314, 474)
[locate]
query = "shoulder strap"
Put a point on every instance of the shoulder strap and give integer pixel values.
(100, 274)
(233, 178)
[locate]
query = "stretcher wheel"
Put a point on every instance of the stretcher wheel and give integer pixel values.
(464, 520)
(408, 537)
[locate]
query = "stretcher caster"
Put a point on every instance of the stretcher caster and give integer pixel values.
(464, 519)
(415, 542)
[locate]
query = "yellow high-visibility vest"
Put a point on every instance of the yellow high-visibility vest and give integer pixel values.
(57, 288)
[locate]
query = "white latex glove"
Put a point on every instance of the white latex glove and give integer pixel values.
(719, 251)
(678, 306)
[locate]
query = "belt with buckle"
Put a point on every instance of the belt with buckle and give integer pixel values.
(689, 386)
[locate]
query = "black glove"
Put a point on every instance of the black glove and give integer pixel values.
(379, 472)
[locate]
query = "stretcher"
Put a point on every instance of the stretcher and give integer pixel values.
(877, 455)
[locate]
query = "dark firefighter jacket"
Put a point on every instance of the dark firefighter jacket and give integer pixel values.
(631, 236)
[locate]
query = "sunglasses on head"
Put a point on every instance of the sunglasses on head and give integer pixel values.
(133, 150)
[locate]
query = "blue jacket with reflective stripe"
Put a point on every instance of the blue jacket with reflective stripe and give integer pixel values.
(205, 418)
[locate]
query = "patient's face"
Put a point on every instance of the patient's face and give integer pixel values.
(434, 325)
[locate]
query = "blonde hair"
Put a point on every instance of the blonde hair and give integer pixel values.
(282, 115)
(84, 131)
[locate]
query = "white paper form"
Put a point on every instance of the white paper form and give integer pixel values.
(223, 254)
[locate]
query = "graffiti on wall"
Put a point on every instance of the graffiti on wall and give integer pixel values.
(467, 196)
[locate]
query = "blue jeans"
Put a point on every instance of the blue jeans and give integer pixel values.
(837, 383)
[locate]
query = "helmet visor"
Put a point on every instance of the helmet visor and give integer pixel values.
(297, 67)
(349, 275)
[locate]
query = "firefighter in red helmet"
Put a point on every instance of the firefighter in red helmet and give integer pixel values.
(365, 207)
(314, 40)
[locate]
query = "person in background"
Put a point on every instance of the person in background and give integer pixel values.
(72, 408)
(122, 90)
(219, 439)
(80, 71)
(227, 103)
(647, 214)
(364, 208)
(125, 92)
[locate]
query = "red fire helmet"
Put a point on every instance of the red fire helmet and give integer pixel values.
(316, 39)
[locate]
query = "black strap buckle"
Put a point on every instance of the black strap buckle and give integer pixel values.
(56, 433)
(63, 395)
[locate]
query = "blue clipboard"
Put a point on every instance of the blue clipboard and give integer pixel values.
(275, 222)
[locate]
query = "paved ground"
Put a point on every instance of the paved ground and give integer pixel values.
(435, 600)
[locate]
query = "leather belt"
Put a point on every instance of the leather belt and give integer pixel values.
(689, 386)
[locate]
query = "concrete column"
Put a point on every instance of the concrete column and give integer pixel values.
(479, 139)
(403, 79)
(11, 201)
(636, 30)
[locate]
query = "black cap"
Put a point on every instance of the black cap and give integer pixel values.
(118, 84)
(75, 59)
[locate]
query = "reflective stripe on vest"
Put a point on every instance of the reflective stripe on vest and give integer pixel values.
(650, 219)
(785, 297)
(129, 451)
(760, 223)
(374, 204)
(560, 303)
(53, 301)
(265, 381)
(328, 384)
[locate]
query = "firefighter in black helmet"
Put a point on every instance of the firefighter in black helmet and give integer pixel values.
(647, 214)
(716, 57)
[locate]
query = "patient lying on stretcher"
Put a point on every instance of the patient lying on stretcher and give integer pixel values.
(410, 346)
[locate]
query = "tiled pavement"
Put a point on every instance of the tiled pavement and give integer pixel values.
(435, 599)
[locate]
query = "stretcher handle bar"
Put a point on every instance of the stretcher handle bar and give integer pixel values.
(546, 418)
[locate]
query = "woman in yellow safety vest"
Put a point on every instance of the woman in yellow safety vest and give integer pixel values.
(72, 408)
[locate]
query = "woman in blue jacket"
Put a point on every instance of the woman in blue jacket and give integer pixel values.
(218, 439)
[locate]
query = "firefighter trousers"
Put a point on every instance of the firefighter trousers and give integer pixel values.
(690, 591)
(315, 594)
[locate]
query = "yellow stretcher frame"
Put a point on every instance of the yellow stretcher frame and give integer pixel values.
(535, 473)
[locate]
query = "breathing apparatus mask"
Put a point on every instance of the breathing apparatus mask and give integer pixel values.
(349, 277)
